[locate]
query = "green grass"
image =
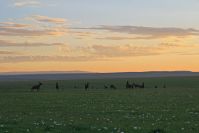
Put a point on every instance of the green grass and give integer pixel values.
(173, 110)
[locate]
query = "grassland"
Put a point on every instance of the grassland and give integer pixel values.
(174, 109)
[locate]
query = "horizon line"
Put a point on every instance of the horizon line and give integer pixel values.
(88, 72)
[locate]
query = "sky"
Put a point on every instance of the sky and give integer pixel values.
(99, 35)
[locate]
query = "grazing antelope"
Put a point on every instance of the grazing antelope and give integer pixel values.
(36, 87)
(134, 85)
(164, 86)
(105, 87)
(113, 87)
(139, 86)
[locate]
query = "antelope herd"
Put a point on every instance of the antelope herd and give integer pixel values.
(129, 85)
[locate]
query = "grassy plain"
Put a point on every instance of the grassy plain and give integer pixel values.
(174, 109)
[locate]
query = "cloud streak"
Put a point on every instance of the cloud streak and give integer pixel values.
(15, 29)
(47, 19)
(145, 32)
(18, 59)
(13, 25)
(88, 53)
(124, 51)
(4, 43)
(93, 53)
(24, 3)
(8, 53)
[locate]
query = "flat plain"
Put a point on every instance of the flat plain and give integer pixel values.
(174, 109)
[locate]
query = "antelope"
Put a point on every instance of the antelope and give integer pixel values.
(36, 87)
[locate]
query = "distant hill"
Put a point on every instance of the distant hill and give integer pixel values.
(87, 75)
(41, 72)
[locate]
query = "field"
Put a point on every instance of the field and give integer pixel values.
(174, 109)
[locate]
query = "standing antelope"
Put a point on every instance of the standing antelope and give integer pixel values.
(57, 86)
(86, 86)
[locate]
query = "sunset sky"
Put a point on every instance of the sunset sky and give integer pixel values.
(99, 35)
